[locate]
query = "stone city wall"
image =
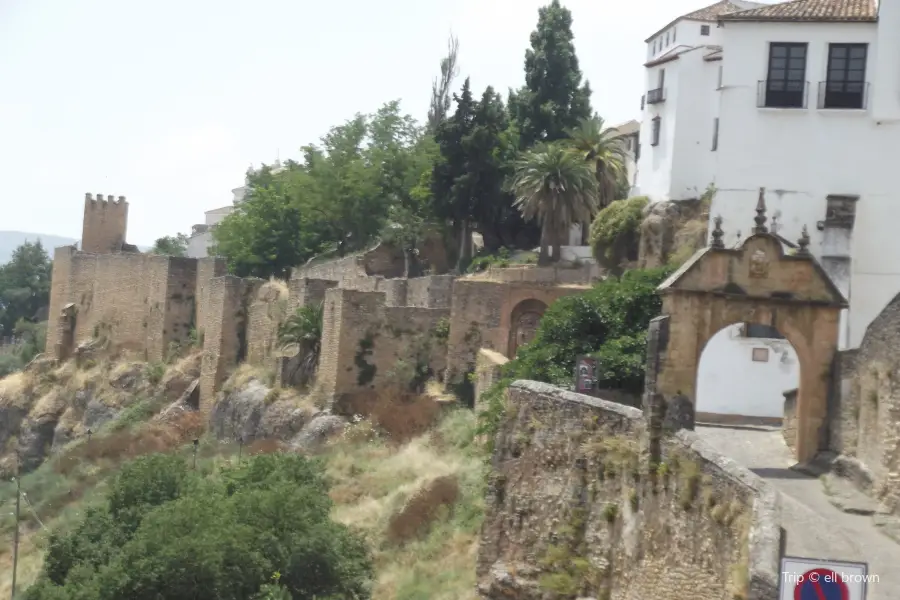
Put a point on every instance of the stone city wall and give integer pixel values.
(266, 313)
(207, 269)
(368, 345)
(865, 411)
(225, 342)
(139, 303)
(480, 317)
(575, 508)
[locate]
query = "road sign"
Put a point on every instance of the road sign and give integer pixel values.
(814, 579)
(585, 374)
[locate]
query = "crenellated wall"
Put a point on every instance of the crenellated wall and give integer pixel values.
(105, 224)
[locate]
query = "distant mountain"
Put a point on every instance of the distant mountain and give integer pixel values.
(10, 240)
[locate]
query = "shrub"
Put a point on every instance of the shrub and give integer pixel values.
(615, 232)
(304, 328)
(166, 532)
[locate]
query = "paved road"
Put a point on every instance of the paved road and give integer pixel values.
(815, 528)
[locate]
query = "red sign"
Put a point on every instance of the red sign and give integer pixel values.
(821, 584)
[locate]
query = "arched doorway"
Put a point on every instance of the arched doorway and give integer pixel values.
(744, 372)
(523, 324)
(758, 282)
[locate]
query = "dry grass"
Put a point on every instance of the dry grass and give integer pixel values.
(16, 390)
(123, 445)
(422, 508)
(403, 415)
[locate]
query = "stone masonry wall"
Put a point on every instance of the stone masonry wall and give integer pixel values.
(105, 224)
(367, 345)
(266, 313)
(138, 302)
(865, 424)
(480, 316)
(225, 340)
(789, 420)
(575, 508)
(434, 291)
(207, 269)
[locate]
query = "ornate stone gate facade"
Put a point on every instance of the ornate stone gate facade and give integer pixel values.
(756, 282)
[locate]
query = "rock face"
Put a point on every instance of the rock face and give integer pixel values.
(670, 227)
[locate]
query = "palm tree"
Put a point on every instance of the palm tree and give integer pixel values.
(554, 184)
(304, 329)
(604, 148)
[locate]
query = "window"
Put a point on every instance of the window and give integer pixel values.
(667, 39)
(845, 84)
(785, 86)
(654, 48)
(661, 78)
(674, 31)
(654, 132)
(758, 330)
(704, 30)
(719, 83)
(715, 143)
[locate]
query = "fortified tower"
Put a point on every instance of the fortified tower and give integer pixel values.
(104, 225)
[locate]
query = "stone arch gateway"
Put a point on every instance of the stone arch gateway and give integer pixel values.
(523, 322)
(755, 282)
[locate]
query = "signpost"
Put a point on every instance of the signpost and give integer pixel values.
(814, 579)
(585, 375)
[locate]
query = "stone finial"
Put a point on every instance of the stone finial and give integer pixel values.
(803, 242)
(121, 199)
(87, 196)
(717, 233)
(760, 218)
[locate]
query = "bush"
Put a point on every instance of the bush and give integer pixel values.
(167, 532)
(615, 232)
(608, 322)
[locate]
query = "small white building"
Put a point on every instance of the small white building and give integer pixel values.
(200, 241)
(801, 98)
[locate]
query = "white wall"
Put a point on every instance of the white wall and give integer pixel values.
(729, 382)
(802, 155)
(198, 245)
(683, 164)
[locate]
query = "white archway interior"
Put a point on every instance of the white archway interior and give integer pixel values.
(745, 370)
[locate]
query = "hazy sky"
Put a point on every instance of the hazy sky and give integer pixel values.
(168, 103)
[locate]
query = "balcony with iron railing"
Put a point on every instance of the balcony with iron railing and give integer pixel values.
(781, 93)
(656, 96)
(843, 95)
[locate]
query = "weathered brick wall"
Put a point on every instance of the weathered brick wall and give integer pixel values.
(61, 292)
(304, 291)
(868, 429)
(105, 223)
(480, 317)
(433, 291)
(225, 341)
(267, 312)
(575, 507)
(180, 301)
(140, 303)
(383, 260)
(365, 342)
(207, 269)
(789, 420)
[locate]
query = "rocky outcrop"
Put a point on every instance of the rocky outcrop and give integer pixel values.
(671, 230)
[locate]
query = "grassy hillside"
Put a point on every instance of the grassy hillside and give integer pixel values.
(416, 496)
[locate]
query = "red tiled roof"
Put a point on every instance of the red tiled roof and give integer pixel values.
(708, 13)
(810, 10)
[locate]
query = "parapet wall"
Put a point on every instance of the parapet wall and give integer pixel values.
(138, 302)
(577, 507)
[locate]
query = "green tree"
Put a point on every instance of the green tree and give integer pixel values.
(616, 232)
(440, 88)
(164, 532)
(604, 148)
(553, 98)
(24, 286)
(453, 186)
(554, 185)
(171, 245)
(304, 329)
